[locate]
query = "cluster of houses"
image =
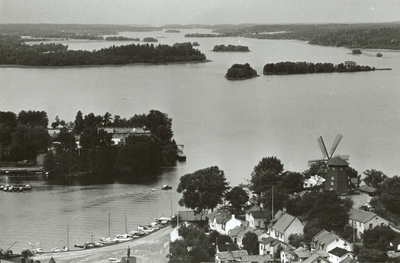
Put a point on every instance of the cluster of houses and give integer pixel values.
(273, 238)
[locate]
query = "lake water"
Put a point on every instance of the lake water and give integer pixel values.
(230, 124)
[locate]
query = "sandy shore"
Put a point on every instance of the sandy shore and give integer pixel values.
(151, 248)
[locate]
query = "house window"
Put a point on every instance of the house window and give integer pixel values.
(259, 223)
(341, 168)
(333, 168)
(370, 225)
(332, 178)
(332, 183)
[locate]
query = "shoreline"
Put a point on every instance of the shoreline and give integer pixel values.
(107, 65)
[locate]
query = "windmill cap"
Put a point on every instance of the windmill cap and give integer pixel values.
(337, 161)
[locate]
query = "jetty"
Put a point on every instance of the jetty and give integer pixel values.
(179, 153)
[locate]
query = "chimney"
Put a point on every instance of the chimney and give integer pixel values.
(284, 210)
(233, 216)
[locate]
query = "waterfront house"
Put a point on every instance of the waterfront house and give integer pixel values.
(284, 225)
(362, 220)
(189, 215)
(222, 221)
(327, 241)
(338, 254)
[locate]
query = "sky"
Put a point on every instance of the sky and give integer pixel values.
(161, 12)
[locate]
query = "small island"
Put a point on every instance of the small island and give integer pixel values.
(285, 68)
(150, 39)
(172, 31)
(230, 48)
(121, 38)
(356, 52)
(241, 72)
(196, 44)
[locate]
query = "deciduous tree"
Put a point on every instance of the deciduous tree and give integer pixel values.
(203, 189)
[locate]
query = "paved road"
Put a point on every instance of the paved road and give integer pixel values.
(151, 248)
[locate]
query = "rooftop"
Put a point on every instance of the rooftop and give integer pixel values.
(360, 215)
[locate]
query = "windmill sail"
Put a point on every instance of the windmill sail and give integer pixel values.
(335, 144)
(322, 146)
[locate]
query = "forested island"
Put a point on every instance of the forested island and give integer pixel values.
(13, 51)
(121, 38)
(281, 68)
(230, 48)
(150, 39)
(241, 72)
(172, 31)
(99, 146)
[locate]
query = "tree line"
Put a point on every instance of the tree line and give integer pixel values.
(309, 67)
(97, 155)
(380, 36)
(23, 136)
(13, 51)
(223, 48)
(85, 147)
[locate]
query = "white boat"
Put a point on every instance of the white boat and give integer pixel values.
(56, 249)
(166, 187)
(122, 239)
(145, 229)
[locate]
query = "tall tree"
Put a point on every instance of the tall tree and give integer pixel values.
(203, 189)
(238, 197)
(265, 174)
(250, 243)
(374, 178)
(78, 127)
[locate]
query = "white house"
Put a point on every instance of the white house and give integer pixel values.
(362, 220)
(338, 254)
(270, 245)
(313, 181)
(257, 218)
(222, 221)
(285, 225)
(327, 241)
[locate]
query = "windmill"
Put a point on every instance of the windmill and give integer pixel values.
(325, 153)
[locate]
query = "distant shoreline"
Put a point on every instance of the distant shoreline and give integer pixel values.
(106, 65)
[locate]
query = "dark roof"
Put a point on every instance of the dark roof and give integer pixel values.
(367, 189)
(337, 161)
(337, 251)
(261, 214)
(313, 258)
(360, 215)
(221, 216)
(283, 222)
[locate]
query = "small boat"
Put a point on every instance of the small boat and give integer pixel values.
(379, 54)
(65, 249)
(153, 189)
(80, 246)
(146, 229)
(107, 241)
(166, 187)
(56, 249)
(89, 245)
(123, 239)
(39, 251)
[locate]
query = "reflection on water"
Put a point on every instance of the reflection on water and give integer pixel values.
(41, 215)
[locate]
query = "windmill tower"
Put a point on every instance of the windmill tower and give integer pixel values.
(326, 155)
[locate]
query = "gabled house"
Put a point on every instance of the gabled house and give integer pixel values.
(363, 220)
(327, 241)
(222, 221)
(338, 254)
(270, 245)
(257, 259)
(314, 180)
(316, 258)
(230, 256)
(258, 218)
(239, 232)
(284, 225)
(289, 256)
